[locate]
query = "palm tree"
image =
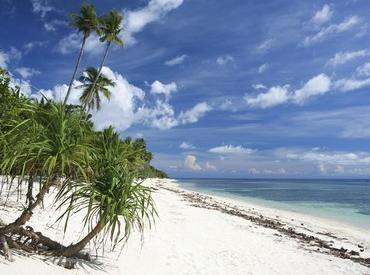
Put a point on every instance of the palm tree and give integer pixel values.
(90, 97)
(86, 22)
(113, 200)
(110, 28)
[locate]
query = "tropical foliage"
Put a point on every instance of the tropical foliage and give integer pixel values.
(54, 143)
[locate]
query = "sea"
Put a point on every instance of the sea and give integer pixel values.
(341, 200)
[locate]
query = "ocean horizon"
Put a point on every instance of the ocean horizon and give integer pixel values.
(342, 200)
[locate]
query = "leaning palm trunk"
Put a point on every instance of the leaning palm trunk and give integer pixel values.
(27, 213)
(76, 68)
(74, 249)
(97, 77)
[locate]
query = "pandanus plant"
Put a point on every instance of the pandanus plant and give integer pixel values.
(112, 201)
(51, 143)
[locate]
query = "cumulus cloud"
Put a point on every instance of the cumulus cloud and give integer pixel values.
(72, 42)
(277, 95)
(323, 15)
(158, 87)
(225, 59)
(26, 72)
(136, 20)
(348, 24)
(274, 96)
(195, 113)
(230, 149)
(190, 162)
(344, 57)
(176, 60)
(263, 68)
(187, 146)
(317, 85)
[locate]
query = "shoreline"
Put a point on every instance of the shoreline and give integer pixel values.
(349, 240)
(201, 234)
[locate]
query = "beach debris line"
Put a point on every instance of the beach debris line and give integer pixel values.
(322, 246)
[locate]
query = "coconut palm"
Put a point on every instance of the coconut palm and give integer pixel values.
(90, 97)
(114, 203)
(51, 143)
(86, 22)
(110, 28)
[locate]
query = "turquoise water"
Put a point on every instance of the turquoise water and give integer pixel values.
(341, 200)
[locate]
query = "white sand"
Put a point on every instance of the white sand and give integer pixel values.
(191, 240)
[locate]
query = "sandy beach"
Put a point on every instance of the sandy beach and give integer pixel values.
(200, 234)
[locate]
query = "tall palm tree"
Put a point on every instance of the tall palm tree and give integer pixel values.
(114, 202)
(86, 22)
(110, 28)
(90, 97)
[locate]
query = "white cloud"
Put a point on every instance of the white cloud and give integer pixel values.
(73, 41)
(52, 25)
(4, 59)
(363, 70)
(158, 87)
(317, 85)
(344, 57)
(254, 171)
(322, 168)
(265, 45)
(30, 45)
(274, 96)
(225, 59)
(195, 113)
(23, 85)
(135, 21)
(176, 60)
(263, 68)
(187, 146)
(259, 86)
(323, 15)
(230, 149)
(42, 7)
(324, 33)
(210, 167)
(191, 163)
(26, 72)
(350, 84)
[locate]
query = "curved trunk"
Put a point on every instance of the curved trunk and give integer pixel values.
(74, 249)
(76, 67)
(99, 72)
(27, 213)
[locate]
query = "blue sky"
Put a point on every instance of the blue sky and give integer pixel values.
(225, 88)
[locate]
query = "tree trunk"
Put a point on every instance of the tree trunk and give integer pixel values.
(74, 249)
(6, 250)
(99, 72)
(76, 68)
(27, 213)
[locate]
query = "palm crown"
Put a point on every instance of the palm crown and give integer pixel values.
(87, 21)
(91, 93)
(110, 27)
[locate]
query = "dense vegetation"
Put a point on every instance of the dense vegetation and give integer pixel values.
(55, 144)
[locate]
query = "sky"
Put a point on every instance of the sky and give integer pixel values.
(226, 88)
